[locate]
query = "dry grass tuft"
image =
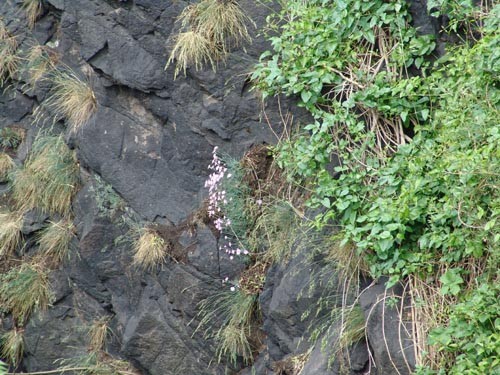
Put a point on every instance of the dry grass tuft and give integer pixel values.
(428, 309)
(11, 137)
(49, 179)
(191, 48)
(150, 249)
(9, 60)
(25, 289)
(40, 62)
(210, 28)
(12, 344)
(237, 315)
(6, 165)
(55, 239)
(72, 98)
(10, 232)
(97, 334)
(224, 22)
(33, 9)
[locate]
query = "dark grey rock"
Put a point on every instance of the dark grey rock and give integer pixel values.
(33, 221)
(389, 337)
(14, 106)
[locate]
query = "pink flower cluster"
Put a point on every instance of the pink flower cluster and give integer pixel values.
(217, 199)
(216, 195)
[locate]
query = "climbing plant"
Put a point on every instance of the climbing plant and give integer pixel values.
(402, 153)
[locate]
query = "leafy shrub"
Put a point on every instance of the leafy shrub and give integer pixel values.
(473, 332)
(425, 208)
(25, 289)
(49, 178)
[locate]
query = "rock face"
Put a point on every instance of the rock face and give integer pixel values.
(151, 140)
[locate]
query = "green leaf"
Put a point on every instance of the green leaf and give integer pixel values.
(305, 96)
(326, 202)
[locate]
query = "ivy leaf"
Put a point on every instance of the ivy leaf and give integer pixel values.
(305, 96)
(451, 281)
(326, 202)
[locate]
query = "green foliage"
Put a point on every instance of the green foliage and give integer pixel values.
(235, 207)
(461, 14)
(49, 179)
(3, 368)
(321, 43)
(473, 333)
(25, 289)
(109, 203)
(426, 207)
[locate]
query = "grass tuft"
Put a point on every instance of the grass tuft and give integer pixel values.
(275, 230)
(150, 249)
(210, 28)
(9, 60)
(237, 315)
(54, 240)
(40, 61)
(33, 9)
(224, 22)
(72, 98)
(191, 48)
(11, 137)
(12, 344)
(6, 165)
(49, 179)
(98, 333)
(96, 363)
(10, 232)
(25, 289)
